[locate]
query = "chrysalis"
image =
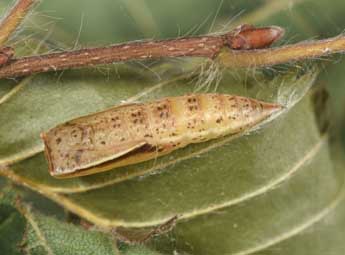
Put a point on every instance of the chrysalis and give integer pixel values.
(128, 134)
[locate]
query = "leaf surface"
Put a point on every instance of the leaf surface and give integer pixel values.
(46, 235)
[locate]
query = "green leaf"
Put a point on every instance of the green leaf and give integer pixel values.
(43, 234)
(325, 236)
(12, 225)
(6, 87)
(46, 235)
(266, 220)
(138, 250)
(333, 78)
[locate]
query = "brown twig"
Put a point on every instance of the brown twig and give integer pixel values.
(14, 17)
(244, 37)
(273, 56)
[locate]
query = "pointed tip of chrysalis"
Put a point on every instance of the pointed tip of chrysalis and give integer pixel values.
(270, 108)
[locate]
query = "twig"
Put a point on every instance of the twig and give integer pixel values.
(244, 37)
(273, 56)
(12, 20)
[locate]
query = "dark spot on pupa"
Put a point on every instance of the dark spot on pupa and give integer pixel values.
(77, 156)
(103, 142)
(58, 140)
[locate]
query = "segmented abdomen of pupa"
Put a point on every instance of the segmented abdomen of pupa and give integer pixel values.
(178, 121)
(154, 128)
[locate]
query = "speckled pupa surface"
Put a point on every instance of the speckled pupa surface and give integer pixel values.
(129, 134)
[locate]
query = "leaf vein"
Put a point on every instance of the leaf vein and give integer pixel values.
(41, 238)
(15, 89)
(295, 231)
